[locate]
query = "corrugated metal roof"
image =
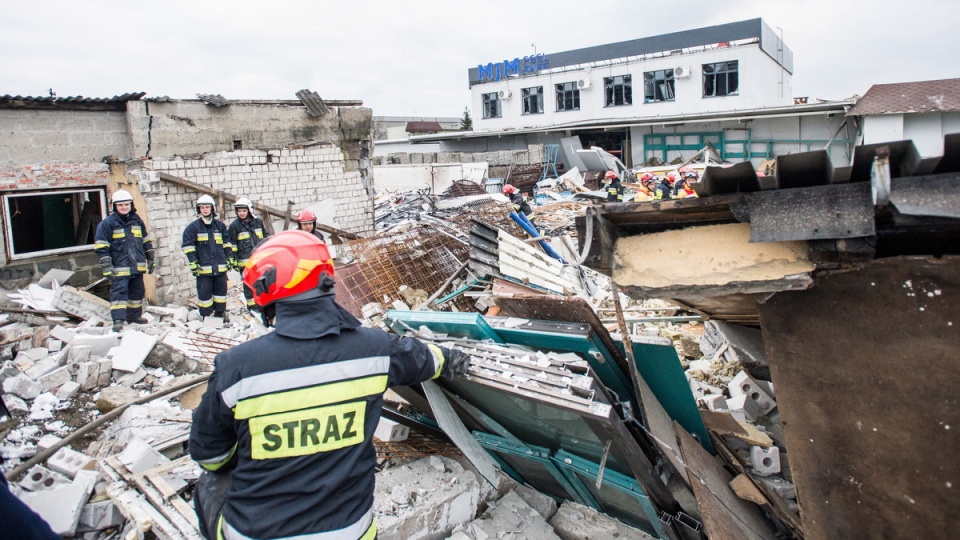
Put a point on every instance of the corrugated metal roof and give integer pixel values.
(133, 96)
(910, 97)
(312, 102)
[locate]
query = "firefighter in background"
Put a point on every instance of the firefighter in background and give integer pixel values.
(285, 428)
(126, 253)
(207, 246)
(520, 204)
(684, 186)
(613, 187)
(246, 232)
(646, 190)
(665, 187)
(307, 222)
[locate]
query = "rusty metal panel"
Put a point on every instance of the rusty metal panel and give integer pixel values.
(814, 213)
(804, 170)
(865, 366)
(927, 195)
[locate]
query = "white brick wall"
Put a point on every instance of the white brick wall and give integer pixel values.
(302, 175)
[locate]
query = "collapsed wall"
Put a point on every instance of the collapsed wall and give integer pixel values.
(302, 174)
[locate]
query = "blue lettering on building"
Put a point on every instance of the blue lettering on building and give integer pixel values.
(518, 67)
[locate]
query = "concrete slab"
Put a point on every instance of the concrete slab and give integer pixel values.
(60, 507)
(138, 456)
(577, 522)
(112, 397)
(67, 390)
(542, 503)
(63, 334)
(133, 349)
(99, 345)
(55, 379)
(510, 515)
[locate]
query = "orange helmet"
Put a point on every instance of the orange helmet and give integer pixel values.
(646, 176)
(671, 177)
(610, 174)
(289, 265)
(508, 188)
(306, 216)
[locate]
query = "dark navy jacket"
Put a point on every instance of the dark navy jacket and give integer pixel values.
(297, 408)
(520, 203)
(245, 235)
(209, 245)
(124, 243)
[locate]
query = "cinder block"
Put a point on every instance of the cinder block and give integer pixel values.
(88, 374)
(390, 431)
(744, 384)
(47, 441)
(54, 345)
(69, 462)
(98, 516)
(22, 386)
(106, 371)
(63, 334)
(68, 390)
(41, 368)
(61, 507)
(79, 353)
(41, 478)
(54, 379)
(743, 408)
(765, 461)
(714, 402)
(783, 488)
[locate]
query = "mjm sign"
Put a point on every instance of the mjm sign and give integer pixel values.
(515, 67)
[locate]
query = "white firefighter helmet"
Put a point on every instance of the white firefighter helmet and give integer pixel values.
(121, 195)
(243, 202)
(206, 199)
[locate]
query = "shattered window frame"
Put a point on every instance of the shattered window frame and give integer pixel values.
(77, 199)
(568, 97)
(659, 86)
(491, 106)
(618, 90)
(532, 100)
(721, 79)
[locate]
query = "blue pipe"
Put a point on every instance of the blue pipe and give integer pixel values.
(523, 222)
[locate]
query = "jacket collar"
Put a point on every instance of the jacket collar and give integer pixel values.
(313, 318)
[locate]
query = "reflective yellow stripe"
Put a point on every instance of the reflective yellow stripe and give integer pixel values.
(132, 304)
(142, 267)
(203, 237)
(243, 236)
(213, 464)
(114, 307)
(189, 249)
(251, 302)
(259, 233)
(120, 234)
(121, 272)
(314, 396)
(101, 244)
(217, 238)
(137, 232)
(438, 359)
(147, 239)
(221, 268)
(205, 303)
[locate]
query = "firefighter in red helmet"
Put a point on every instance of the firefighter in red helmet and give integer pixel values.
(307, 222)
(286, 444)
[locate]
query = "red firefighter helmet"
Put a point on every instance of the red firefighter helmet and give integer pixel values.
(646, 176)
(671, 177)
(610, 174)
(289, 265)
(306, 216)
(508, 189)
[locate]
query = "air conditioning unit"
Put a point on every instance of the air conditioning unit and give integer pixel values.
(584, 84)
(504, 94)
(681, 72)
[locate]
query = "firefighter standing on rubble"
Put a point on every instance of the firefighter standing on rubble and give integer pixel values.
(207, 246)
(307, 222)
(126, 253)
(285, 426)
(246, 232)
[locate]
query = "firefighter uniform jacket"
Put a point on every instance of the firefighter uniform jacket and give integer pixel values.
(123, 242)
(245, 235)
(208, 245)
(614, 191)
(298, 408)
(520, 203)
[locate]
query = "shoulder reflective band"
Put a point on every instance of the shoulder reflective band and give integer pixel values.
(307, 431)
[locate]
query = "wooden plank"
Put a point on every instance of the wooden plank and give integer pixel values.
(725, 515)
(723, 423)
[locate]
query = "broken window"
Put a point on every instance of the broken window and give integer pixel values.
(568, 97)
(721, 79)
(618, 90)
(532, 100)
(491, 105)
(658, 86)
(51, 222)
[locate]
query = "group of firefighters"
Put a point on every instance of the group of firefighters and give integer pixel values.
(653, 187)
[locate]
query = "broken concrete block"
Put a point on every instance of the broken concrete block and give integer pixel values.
(213, 322)
(98, 516)
(37, 353)
(714, 402)
(88, 374)
(133, 349)
(40, 478)
(23, 362)
(781, 487)
(67, 390)
(54, 379)
(765, 461)
(130, 379)
(577, 522)
(61, 506)
(744, 345)
(80, 303)
(181, 314)
(743, 384)
(63, 334)
(511, 513)
(138, 456)
(542, 503)
(105, 368)
(79, 353)
(47, 441)
(743, 408)
(14, 403)
(55, 345)
(390, 431)
(22, 386)
(41, 368)
(417, 497)
(70, 462)
(112, 397)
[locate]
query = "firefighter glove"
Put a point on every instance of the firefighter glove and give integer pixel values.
(455, 363)
(233, 264)
(151, 266)
(107, 270)
(195, 268)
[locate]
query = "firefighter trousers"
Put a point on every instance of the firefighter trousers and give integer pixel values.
(212, 294)
(126, 297)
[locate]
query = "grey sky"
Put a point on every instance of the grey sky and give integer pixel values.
(411, 58)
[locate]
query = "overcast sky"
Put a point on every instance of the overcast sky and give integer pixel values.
(411, 58)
